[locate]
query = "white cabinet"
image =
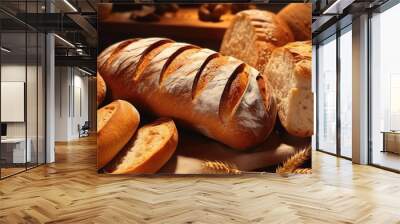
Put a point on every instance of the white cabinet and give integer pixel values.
(16, 150)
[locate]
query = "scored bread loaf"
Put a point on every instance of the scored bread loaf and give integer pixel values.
(220, 96)
(148, 150)
(289, 72)
(116, 124)
(298, 18)
(252, 36)
(101, 89)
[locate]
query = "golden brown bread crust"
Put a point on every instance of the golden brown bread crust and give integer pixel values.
(101, 89)
(155, 158)
(253, 35)
(191, 93)
(125, 60)
(298, 18)
(116, 124)
(289, 72)
(301, 52)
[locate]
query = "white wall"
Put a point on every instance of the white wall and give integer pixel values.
(71, 94)
(61, 103)
(16, 72)
(33, 127)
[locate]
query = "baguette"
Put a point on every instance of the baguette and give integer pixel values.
(101, 89)
(289, 72)
(298, 18)
(116, 124)
(253, 35)
(219, 96)
(148, 150)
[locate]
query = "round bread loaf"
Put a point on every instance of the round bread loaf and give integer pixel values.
(252, 36)
(148, 150)
(289, 72)
(298, 17)
(219, 96)
(116, 124)
(101, 89)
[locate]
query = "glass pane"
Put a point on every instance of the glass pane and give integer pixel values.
(346, 94)
(31, 98)
(327, 96)
(385, 84)
(41, 98)
(13, 86)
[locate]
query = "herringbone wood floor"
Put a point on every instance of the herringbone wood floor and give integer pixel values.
(70, 191)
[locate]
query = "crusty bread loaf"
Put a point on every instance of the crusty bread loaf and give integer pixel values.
(101, 89)
(116, 124)
(298, 17)
(219, 96)
(296, 112)
(289, 73)
(252, 36)
(148, 150)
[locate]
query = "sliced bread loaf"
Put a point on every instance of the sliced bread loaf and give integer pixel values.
(116, 124)
(148, 150)
(253, 35)
(289, 73)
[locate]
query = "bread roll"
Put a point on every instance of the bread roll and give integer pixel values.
(252, 36)
(219, 96)
(116, 124)
(148, 150)
(298, 17)
(289, 72)
(101, 89)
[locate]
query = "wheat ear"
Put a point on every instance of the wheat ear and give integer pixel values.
(294, 161)
(220, 167)
(303, 171)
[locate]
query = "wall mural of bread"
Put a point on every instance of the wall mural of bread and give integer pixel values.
(226, 96)
(252, 36)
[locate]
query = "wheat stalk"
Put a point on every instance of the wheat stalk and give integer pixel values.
(294, 161)
(220, 167)
(303, 171)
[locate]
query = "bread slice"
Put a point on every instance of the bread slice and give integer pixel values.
(150, 148)
(289, 73)
(296, 112)
(253, 35)
(116, 124)
(101, 89)
(298, 18)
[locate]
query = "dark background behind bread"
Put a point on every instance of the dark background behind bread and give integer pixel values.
(119, 27)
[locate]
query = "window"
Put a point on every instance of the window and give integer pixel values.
(346, 92)
(385, 89)
(22, 76)
(327, 96)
